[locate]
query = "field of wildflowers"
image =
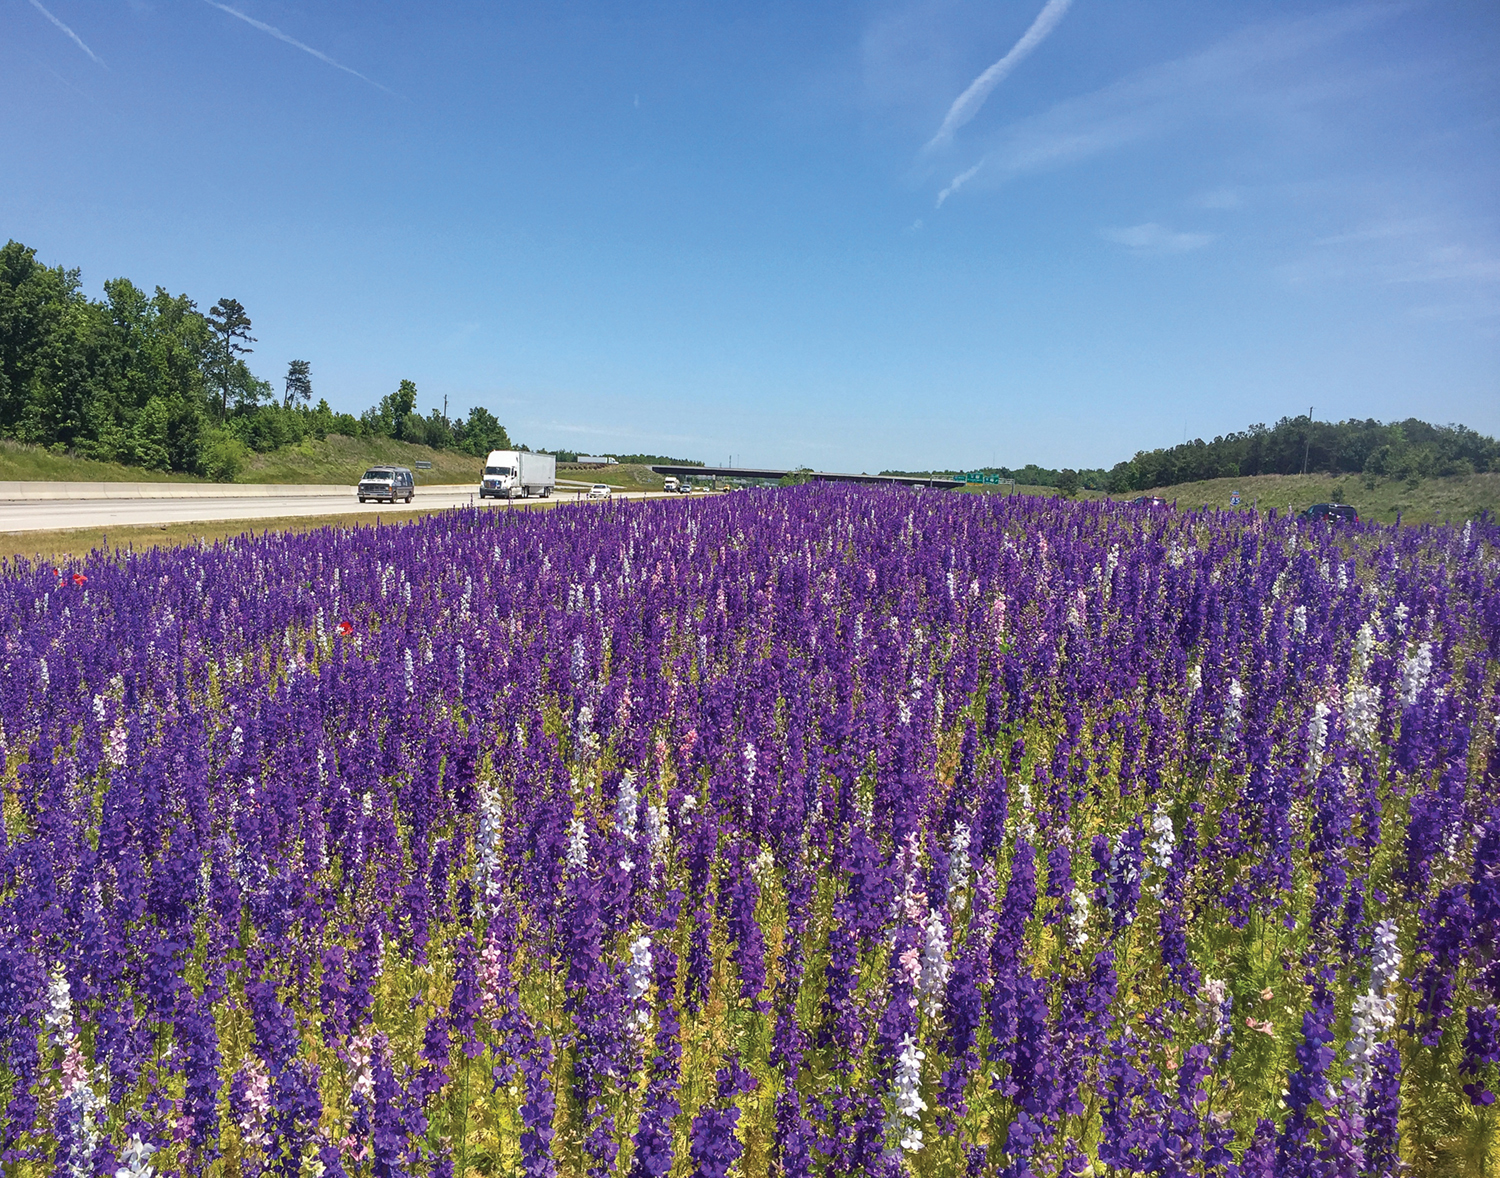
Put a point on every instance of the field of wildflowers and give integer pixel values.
(819, 830)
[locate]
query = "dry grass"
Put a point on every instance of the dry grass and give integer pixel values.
(74, 542)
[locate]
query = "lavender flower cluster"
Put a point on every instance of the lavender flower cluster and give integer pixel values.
(816, 831)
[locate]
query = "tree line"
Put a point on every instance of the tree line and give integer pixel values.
(150, 380)
(1412, 450)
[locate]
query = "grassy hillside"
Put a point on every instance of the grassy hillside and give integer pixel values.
(21, 463)
(1430, 501)
(336, 459)
(626, 477)
(340, 460)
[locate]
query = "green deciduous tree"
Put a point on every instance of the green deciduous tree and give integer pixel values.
(481, 433)
(150, 380)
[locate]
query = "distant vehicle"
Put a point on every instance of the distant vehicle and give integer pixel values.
(1336, 511)
(669, 484)
(1148, 501)
(508, 473)
(386, 482)
(599, 491)
(684, 487)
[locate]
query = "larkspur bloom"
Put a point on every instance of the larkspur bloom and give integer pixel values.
(906, 1097)
(892, 773)
(932, 979)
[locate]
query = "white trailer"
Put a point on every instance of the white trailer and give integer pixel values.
(512, 473)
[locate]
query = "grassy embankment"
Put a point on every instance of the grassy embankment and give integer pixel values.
(1432, 501)
(336, 459)
(622, 478)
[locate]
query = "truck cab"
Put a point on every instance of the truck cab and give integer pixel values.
(669, 484)
(500, 474)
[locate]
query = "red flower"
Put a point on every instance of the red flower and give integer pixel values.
(346, 628)
(79, 578)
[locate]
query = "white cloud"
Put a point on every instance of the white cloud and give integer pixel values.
(968, 104)
(956, 183)
(1237, 76)
(1152, 238)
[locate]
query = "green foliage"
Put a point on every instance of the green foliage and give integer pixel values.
(1030, 475)
(481, 433)
(151, 381)
(1410, 450)
(230, 327)
(298, 385)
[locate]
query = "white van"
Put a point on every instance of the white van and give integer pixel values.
(386, 482)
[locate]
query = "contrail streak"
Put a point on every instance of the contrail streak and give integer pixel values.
(280, 36)
(967, 104)
(77, 40)
(958, 182)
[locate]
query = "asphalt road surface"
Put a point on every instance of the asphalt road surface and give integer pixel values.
(50, 515)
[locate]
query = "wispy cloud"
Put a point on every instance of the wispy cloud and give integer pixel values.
(967, 104)
(1152, 238)
(956, 183)
(74, 37)
(1449, 268)
(292, 41)
(1381, 231)
(1239, 75)
(1219, 199)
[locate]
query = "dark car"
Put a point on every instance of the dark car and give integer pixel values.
(1336, 511)
(1148, 501)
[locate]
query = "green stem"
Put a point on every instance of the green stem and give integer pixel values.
(463, 1141)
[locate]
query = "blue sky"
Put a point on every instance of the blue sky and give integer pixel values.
(794, 233)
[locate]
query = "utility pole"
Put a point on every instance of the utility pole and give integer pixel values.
(1307, 449)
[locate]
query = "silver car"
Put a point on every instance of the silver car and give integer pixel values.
(387, 482)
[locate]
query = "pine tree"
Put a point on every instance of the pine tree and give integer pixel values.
(231, 327)
(298, 384)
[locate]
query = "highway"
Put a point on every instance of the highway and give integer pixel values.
(54, 514)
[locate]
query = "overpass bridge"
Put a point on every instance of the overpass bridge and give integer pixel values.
(817, 476)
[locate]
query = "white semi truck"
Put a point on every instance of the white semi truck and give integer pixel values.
(512, 473)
